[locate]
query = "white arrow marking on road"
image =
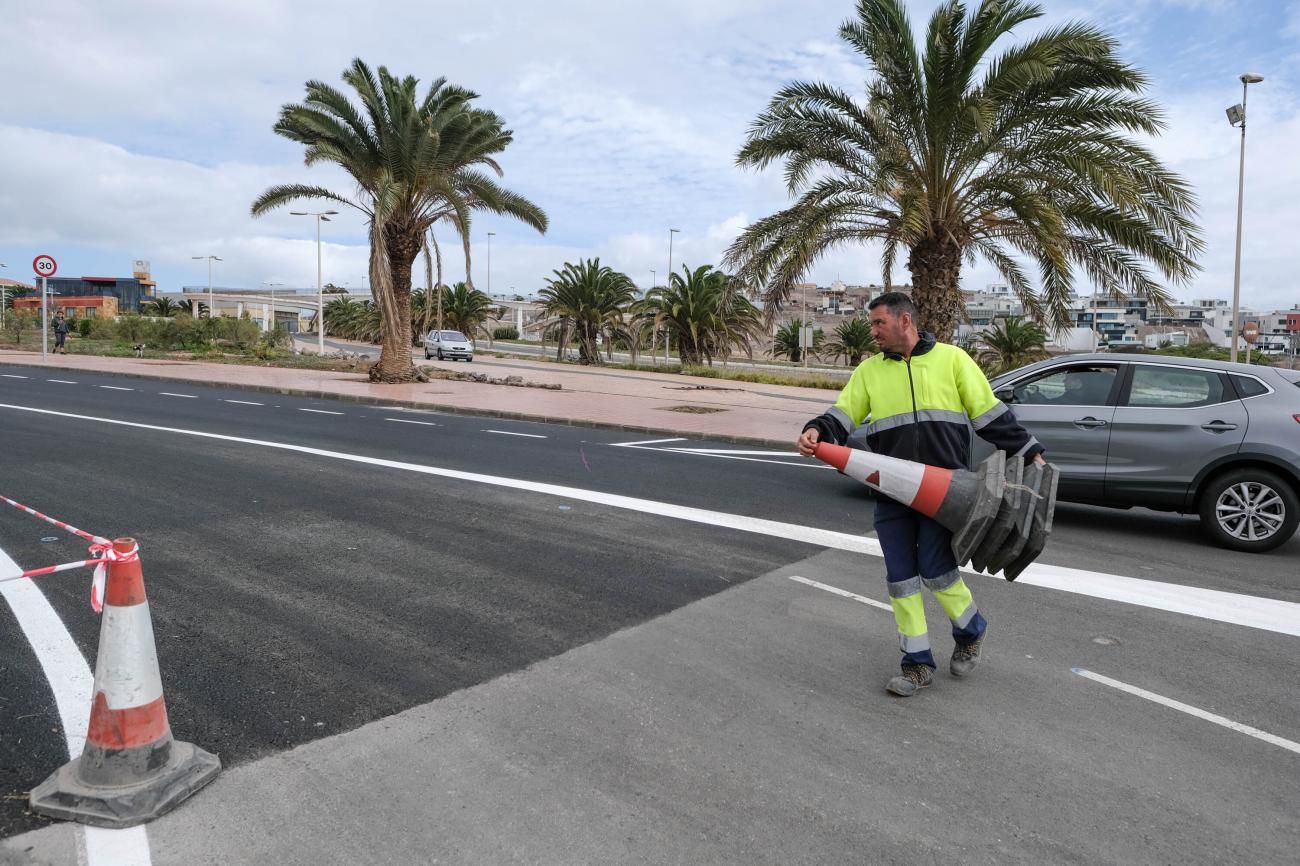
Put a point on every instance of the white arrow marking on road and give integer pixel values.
(1248, 610)
(1190, 710)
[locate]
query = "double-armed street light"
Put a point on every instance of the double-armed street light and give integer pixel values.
(321, 216)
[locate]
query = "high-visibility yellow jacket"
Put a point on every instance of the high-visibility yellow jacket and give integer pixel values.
(923, 408)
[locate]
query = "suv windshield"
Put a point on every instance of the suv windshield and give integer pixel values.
(455, 336)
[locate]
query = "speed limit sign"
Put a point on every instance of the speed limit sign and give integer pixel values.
(44, 266)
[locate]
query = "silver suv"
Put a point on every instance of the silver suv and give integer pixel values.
(1174, 434)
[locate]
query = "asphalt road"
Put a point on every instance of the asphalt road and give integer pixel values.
(297, 596)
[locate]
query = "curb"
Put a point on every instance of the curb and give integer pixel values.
(448, 409)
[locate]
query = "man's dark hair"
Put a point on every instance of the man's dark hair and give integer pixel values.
(897, 302)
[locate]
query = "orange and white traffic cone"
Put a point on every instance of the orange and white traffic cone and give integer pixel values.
(963, 502)
(131, 770)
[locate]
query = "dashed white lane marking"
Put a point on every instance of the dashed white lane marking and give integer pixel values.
(508, 433)
(842, 592)
(115, 388)
(645, 442)
(12, 376)
(186, 396)
(321, 411)
(404, 421)
(1199, 713)
(71, 681)
(62, 381)
(244, 402)
(1252, 611)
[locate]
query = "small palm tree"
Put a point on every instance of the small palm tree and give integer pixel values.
(852, 340)
(786, 343)
(162, 307)
(465, 308)
(957, 153)
(1010, 343)
(705, 312)
(588, 299)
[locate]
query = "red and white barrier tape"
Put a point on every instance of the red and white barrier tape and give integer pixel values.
(101, 548)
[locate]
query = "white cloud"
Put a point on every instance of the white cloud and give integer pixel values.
(139, 132)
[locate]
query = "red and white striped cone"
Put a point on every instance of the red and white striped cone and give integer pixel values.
(131, 770)
(963, 502)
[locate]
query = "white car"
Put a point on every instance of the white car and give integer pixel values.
(448, 344)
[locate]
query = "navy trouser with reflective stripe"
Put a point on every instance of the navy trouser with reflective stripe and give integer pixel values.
(918, 552)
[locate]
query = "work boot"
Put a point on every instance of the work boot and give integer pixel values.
(964, 658)
(913, 678)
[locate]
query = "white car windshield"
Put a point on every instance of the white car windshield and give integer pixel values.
(456, 336)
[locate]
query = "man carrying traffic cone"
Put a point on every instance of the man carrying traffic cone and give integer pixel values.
(922, 398)
(131, 770)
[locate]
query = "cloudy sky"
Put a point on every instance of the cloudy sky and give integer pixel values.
(142, 130)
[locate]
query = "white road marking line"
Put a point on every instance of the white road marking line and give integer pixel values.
(805, 464)
(71, 681)
(729, 451)
(187, 396)
(244, 402)
(404, 421)
(508, 433)
(116, 388)
(844, 592)
(1252, 611)
(61, 381)
(12, 376)
(1191, 711)
(321, 411)
(645, 442)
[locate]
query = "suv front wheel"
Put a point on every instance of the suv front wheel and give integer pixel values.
(1250, 509)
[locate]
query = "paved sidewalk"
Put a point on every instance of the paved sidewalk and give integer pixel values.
(651, 403)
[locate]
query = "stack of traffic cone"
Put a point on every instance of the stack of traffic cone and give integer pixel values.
(996, 524)
(131, 770)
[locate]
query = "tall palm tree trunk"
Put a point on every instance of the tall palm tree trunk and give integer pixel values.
(935, 264)
(392, 255)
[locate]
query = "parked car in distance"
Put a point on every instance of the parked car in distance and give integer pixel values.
(1210, 438)
(448, 344)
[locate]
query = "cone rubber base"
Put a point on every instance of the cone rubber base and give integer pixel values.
(64, 795)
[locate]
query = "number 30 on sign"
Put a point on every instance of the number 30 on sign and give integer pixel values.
(44, 266)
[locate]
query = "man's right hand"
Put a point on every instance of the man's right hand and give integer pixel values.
(808, 441)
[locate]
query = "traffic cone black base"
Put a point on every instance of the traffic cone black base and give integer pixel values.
(1042, 526)
(64, 794)
(1004, 522)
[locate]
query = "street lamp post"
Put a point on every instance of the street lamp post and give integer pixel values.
(2, 298)
(321, 216)
(490, 235)
(1237, 117)
(212, 311)
(671, 232)
(270, 319)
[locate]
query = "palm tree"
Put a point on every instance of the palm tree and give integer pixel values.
(786, 343)
(163, 307)
(852, 340)
(588, 299)
(465, 308)
(1010, 343)
(353, 320)
(959, 153)
(414, 162)
(704, 311)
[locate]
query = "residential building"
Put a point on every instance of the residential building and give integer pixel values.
(72, 306)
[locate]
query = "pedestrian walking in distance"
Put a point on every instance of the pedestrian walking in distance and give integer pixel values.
(920, 399)
(60, 333)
